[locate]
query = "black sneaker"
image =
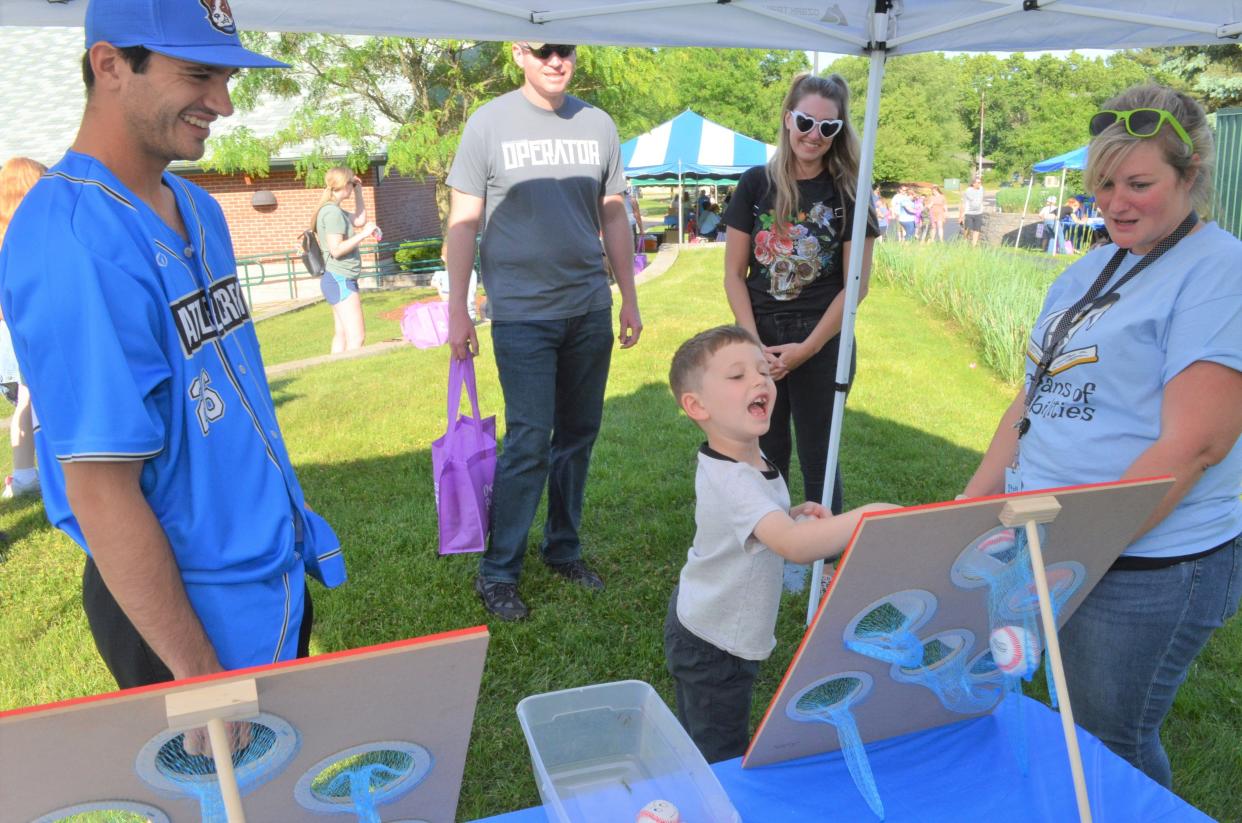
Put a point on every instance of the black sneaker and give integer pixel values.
(577, 571)
(501, 599)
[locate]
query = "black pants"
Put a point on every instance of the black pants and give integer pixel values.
(804, 401)
(126, 654)
(713, 690)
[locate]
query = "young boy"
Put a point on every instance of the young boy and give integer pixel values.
(722, 616)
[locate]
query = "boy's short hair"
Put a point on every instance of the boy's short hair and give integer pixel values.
(691, 357)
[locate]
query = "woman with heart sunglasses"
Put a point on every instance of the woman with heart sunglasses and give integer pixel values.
(1139, 374)
(786, 251)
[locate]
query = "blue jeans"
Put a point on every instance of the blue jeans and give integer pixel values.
(1130, 644)
(907, 229)
(553, 374)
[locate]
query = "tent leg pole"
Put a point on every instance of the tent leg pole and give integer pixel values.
(853, 280)
(1056, 232)
(1022, 219)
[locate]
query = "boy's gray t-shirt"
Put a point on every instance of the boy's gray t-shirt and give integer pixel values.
(730, 589)
(542, 174)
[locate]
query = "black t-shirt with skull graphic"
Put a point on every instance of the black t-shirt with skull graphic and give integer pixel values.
(802, 271)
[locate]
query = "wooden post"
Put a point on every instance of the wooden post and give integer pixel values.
(213, 705)
(1029, 512)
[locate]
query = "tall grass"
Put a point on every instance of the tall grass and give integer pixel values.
(1011, 199)
(993, 294)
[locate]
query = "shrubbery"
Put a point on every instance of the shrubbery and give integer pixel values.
(418, 254)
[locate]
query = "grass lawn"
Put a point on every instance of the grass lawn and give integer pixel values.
(360, 434)
(307, 332)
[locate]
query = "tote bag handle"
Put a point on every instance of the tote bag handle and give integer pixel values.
(462, 371)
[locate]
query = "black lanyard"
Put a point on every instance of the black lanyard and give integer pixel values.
(1072, 315)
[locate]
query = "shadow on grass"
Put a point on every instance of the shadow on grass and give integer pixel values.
(637, 526)
(281, 391)
(30, 517)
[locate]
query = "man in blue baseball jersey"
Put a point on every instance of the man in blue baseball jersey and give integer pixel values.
(163, 456)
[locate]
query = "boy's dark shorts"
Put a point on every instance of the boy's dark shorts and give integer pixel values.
(713, 690)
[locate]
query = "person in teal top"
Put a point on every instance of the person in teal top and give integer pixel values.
(341, 232)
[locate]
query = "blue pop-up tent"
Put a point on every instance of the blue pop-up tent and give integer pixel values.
(691, 147)
(1076, 159)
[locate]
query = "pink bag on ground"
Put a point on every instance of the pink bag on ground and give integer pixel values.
(426, 325)
(463, 463)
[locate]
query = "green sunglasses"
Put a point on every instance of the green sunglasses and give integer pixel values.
(1139, 122)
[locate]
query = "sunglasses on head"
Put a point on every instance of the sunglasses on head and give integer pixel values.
(548, 49)
(805, 122)
(1139, 123)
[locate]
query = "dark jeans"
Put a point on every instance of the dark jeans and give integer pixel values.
(129, 658)
(805, 397)
(1130, 645)
(553, 374)
(713, 690)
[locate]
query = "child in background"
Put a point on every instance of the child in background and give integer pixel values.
(722, 615)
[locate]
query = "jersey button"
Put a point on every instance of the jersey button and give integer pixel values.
(275, 434)
(241, 368)
(189, 251)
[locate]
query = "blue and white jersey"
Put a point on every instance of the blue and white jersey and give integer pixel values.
(138, 345)
(1099, 406)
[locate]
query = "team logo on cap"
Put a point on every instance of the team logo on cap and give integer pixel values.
(219, 15)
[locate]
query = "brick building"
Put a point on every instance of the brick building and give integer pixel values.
(403, 207)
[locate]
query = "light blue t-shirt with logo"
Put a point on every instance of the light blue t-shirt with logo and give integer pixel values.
(1099, 407)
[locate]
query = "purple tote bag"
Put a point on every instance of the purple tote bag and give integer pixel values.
(464, 464)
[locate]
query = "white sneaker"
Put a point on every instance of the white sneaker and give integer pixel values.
(14, 489)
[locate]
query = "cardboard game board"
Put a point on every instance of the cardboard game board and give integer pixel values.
(402, 710)
(923, 571)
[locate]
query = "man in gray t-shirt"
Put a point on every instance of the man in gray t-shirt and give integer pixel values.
(541, 170)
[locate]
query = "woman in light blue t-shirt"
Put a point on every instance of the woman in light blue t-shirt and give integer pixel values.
(341, 232)
(1142, 379)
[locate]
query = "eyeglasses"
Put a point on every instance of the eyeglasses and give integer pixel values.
(548, 49)
(804, 123)
(1139, 123)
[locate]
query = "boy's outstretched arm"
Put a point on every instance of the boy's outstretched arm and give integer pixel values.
(818, 538)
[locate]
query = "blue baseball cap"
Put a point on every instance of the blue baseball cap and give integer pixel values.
(201, 31)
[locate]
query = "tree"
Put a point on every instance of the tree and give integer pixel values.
(1038, 108)
(360, 96)
(741, 89)
(1213, 74)
(920, 136)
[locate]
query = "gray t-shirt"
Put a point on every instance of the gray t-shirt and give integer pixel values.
(972, 200)
(730, 588)
(333, 220)
(542, 174)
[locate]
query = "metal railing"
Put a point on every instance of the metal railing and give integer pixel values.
(378, 262)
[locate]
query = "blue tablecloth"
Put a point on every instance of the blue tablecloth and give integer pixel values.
(964, 772)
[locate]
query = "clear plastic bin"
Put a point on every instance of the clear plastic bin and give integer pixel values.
(600, 753)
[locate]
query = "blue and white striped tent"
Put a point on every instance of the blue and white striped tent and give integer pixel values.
(692, 147)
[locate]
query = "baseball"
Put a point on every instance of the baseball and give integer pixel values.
(1015, 650)
(659, 811)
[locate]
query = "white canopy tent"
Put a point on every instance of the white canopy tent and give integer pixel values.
(875, 28)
